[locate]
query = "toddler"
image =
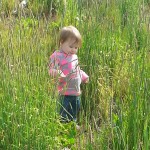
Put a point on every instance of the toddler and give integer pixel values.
(64, 65)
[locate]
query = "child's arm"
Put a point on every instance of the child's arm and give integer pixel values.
(84, 77)
(54, 69)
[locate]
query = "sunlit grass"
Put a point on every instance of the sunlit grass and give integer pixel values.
(115, 53)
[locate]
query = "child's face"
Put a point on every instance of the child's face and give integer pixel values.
(69, 47)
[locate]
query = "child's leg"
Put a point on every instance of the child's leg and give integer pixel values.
(69, 108)
(65, 108)
(74, 107)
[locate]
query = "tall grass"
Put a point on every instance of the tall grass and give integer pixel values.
(115, 53)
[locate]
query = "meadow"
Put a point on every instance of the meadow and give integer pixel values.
(115, 53)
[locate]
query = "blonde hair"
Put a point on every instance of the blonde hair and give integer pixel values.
(70, 32)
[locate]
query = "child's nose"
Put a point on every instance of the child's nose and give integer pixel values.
(72, 49)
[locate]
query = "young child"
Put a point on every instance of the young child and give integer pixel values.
(64, 66)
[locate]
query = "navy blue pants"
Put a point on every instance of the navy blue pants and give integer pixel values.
(69, 107)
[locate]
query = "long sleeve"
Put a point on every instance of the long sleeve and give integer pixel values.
(84, 76)
(69, 74)
(54, 66)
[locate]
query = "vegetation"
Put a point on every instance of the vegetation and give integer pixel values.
(115, 53)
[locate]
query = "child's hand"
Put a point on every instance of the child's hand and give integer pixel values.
(86, 80)
(62, 75)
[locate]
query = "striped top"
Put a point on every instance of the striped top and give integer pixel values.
(68, 65)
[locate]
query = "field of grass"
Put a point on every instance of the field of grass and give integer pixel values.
(115, 112)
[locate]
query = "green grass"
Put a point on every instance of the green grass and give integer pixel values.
(115, 53)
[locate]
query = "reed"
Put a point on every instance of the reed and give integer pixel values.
(115, 53)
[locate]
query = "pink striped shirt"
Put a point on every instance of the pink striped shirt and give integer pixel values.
(68, 65)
